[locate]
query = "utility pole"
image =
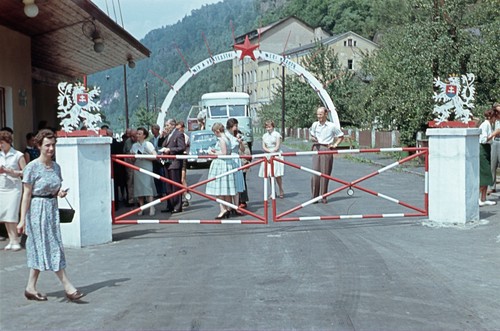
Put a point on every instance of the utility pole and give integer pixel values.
(126, 95)
(283, 102)
(147, 97)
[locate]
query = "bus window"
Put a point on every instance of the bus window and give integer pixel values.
(218, 111)
(237, 111)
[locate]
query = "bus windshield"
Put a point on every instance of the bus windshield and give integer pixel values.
(218, 111)
(237, 110)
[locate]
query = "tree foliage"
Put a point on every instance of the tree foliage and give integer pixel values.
(441, 38)
(301, 100)
(143, 117)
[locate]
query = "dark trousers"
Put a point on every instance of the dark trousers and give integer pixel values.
(244, 194)
(159, 169)
(174, 203)
(323, 164)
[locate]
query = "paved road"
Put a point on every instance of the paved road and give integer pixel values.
(365, 274)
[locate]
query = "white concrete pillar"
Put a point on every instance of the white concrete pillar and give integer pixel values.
(86, 169)
(453, 175)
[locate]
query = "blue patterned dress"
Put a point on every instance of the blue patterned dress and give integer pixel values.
(224, 185)
(44, 247)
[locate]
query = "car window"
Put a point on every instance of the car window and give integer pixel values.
(204, 137)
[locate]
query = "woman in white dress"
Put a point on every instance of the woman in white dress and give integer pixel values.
(144, 186)
(12, 164)
(271, 143)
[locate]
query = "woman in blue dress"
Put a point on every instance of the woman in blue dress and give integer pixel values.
(40, 219)
(222, 187)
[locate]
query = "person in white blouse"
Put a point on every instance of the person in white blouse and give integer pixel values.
(325, 136)
(485, 138)
(271, 143)
(12, 163)
(495, 151)
(144, 186)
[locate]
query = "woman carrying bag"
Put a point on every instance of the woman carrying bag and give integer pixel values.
(40, 219)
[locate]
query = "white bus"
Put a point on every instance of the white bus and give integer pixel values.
(220, 106)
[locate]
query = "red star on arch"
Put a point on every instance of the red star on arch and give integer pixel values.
(246, 49)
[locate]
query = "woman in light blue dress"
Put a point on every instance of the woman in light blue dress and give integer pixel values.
(40, 219)
(224, 186)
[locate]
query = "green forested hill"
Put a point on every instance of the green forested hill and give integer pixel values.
(214, 21)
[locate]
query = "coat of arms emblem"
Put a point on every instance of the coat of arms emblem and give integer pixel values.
(456, 95)
(77, 104)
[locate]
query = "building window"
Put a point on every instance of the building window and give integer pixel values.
(354, 43)
(345, 43)
(349, 64)
(349, 42)
(272, 73)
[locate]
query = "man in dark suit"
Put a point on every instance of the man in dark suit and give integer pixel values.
(174, 144)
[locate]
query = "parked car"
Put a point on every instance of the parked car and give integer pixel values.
(201, 142)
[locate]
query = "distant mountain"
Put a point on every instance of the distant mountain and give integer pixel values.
(166, 44)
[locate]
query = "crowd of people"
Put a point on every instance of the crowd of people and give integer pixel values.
(231, 188)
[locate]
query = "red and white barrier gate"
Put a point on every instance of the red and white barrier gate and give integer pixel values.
(355, 184)
(268, 161)
(257, 219)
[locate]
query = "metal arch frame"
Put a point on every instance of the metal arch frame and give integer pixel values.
(262, 55)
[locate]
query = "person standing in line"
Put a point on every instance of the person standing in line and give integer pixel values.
(244, 161)
(495, 150)
(182, 127)
(485, 138)
(12, 164)
(222, 187)
(325, 136)
(127, 145)
(157, 166)
(174, 144)
(31, 152)
(119, 171)
(144, 187)
(271, 143)
(40, 219)
(235, 148)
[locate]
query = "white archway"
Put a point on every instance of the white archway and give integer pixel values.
(265, 56)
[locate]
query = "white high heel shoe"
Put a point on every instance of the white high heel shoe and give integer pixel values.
(152, 211)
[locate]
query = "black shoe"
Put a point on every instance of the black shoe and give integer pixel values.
(223, 215)
(175, 211)
(185, 204)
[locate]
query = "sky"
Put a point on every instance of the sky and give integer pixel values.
(142, 16)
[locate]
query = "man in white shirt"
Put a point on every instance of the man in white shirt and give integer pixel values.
(325, 136)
